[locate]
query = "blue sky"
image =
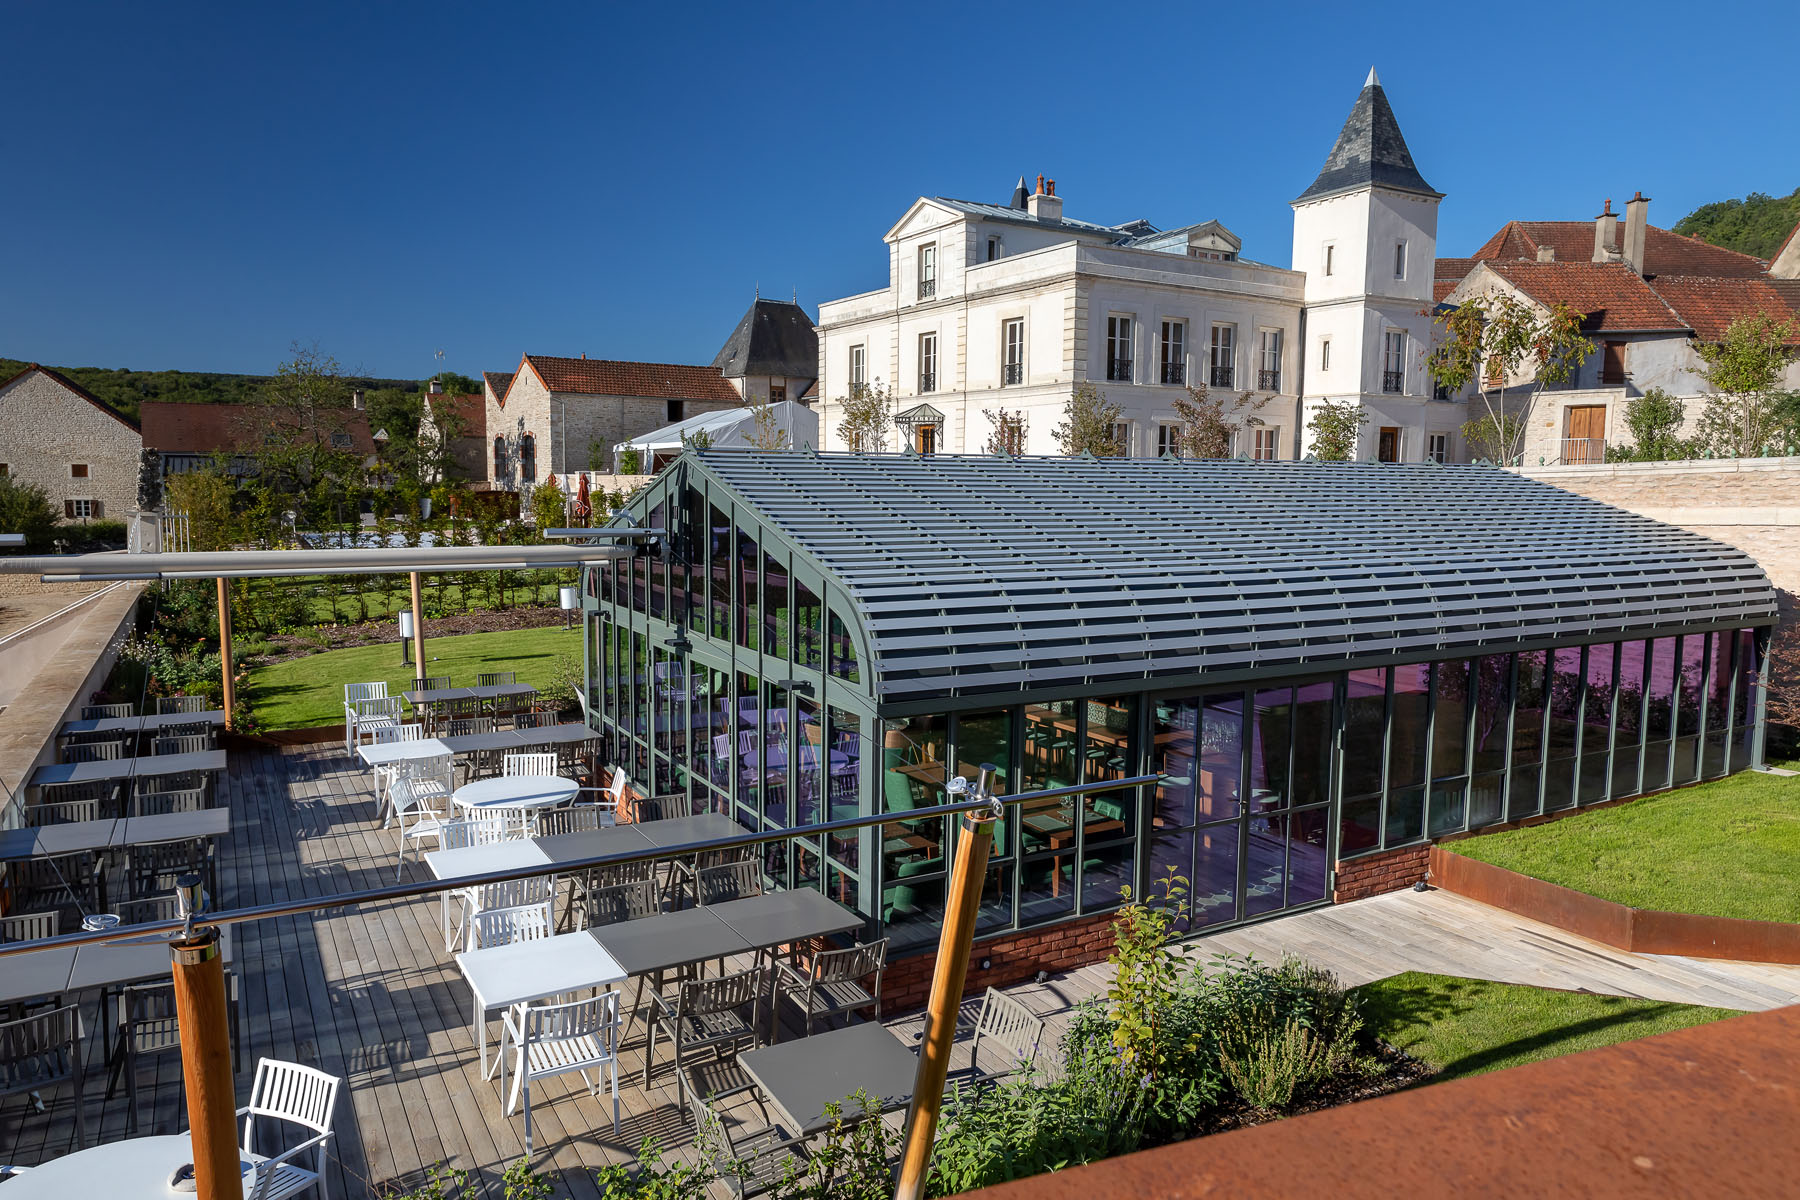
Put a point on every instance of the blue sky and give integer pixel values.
(198, 187)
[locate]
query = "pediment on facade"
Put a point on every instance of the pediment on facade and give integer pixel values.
(922, 217)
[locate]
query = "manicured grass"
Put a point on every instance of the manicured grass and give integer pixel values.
(305, 692)
(1724, 849)
(335, 599)
(1468, 1026)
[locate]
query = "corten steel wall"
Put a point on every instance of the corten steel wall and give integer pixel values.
(1707, 1111)
(1646, 931)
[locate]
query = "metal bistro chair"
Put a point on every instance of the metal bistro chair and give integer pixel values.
(29, 927)
(667, 807)
(375, 713)
(83, 752)
(181, 704)
(153, 869)
(103, 712)
(554, 1039)
(152, 804)
(420, 810)
(753, 1163)
(432, 683)
(728, 881)
(301, 1096)
(385, 774)
(354, 692)
(61, 812)
(703, 1014)
(831, 985)
(147, 1029)
(187, 743)
(536, 719)
(621, 902)
(513, 765)
(496, 678)
(505, 926)
(40, 1051)
(42, 883)
(487, 897)
(1009, 1024)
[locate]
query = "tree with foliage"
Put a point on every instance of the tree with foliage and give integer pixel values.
(1090, 424)
(294, 434)
(1757, 225)
(766, 432)
(1499, 342)
(1009, 431)
(1336, 428)
(1742, 417)
(631, 461)
(549, 506)
(149, 490)
(1655, 419)
(1204, 429)
(1493, 435)
(25, 508)
(207, 497)
(699, 439)
(868, 413)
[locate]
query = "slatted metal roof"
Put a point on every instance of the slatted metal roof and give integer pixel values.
(977, 574)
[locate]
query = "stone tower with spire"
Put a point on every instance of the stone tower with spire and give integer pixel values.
(1365, 234)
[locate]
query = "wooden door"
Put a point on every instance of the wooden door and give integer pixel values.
(1584, 433)
(1388, 448)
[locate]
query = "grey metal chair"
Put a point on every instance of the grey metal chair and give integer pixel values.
(186, 743)
(751, 1163)
(40, 1051)
(150, 908)
(831, 985)
(432, 683)
(666, 807)
(705, 1014)
(151, 804)
(82, 752)
(62, 812)
(103, 712)
(536, 719)
(728, 881)
(1008, 1023)
(496, 678)
(621, 902)
(42, 883)
(181, 704)
(29, 927)
(147, 1030)
(153, 869)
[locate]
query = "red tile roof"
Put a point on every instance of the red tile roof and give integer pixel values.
(1709, 305)
(1611, 294)
(177, 428)
(469, 408)
(607, 377)
(1665, 253)
(1450, 272)
(65, 381)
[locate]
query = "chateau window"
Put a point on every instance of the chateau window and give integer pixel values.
(1400, 259)
(1168, 441)
(1324, 354)
(859, 357)
(1121, 438)
(1393, 361)
(993, 249)
(1174, 352)
(928, 362)
(1329, 255)
(1268, 374)
(1224, 356)
(777, 393)
(1437, 447)
(927, 272)
(499, 457)
(1013, 366)
(81, 510)
(674, 410)
(1263, 447)
(1118, 349)
(527, 458)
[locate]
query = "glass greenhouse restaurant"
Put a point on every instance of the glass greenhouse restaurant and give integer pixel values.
(1325, 662)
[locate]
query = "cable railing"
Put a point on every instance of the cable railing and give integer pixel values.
(156, 930)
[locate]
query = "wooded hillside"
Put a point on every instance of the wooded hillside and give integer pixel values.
(1757, 224)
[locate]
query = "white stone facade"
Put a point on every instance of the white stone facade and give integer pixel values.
(80, 452)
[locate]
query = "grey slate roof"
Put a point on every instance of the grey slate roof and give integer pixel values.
(1000, 212)
(773, 338)
(979, 575)
(1369, 150)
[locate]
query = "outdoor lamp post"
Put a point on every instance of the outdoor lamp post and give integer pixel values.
(406, 636)
(571, 600)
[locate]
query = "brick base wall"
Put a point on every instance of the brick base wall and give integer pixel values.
(1373, 874)
(1012, 958)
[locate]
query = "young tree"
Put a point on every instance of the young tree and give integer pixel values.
(1743, 416)
(766, 432)
(306, 394)
(25, 508)
(1205, 430)
(1090, 424)
(1655, 419)
(1493, 434)
(1491, 341)
(630, 461)
(1336, 428)
(1008, 433)
(548, 506)
(207, 499)
(596, 458)
(868, 413)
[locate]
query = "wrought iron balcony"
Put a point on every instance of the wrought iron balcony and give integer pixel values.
(1119, 369)
(1174, 372)
(1222, 376)
(1012, 374)
(1583, 450)
(1269, 381)
(1393, 382)
(927, 288)
(928, 383)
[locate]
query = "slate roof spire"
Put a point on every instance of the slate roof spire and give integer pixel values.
(1020, 198)
(1370, 150)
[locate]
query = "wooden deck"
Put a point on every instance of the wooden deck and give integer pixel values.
(371, 996)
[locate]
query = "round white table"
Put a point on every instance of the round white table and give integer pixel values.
(516, 791)
(137, 1167)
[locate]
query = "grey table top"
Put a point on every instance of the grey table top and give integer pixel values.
(180, 764)
(780, 917)
(215, 716)
(553, 735)
(173, 827)
(589, 843)
(17, 845)
(104, 771)
(669, 940)
(438, 695)
(113, 963)
(802, 1076)
(678, 831)
(38, 973)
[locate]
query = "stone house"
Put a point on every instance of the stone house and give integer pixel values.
(1649, 296)
(56, 434)
(189, 437)
(464, 417)
(772, 355)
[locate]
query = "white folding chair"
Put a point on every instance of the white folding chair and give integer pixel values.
(554, 1039)
(528, 764)
(352, 693)
(285, 1091)
(377, 712)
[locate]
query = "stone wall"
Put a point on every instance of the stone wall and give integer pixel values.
(46, 431)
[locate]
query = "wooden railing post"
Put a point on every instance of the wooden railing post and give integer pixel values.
(951, 970)
(418, 629)
(202, 1020)
(226, 673)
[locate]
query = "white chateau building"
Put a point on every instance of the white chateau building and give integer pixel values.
(1015, 306)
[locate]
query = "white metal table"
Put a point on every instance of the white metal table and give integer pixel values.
(502, 976)
(136, 1167)
(516, 791)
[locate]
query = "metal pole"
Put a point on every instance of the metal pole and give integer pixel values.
(418, 629)
(949, 973)
(227, 676)
(201, 1018)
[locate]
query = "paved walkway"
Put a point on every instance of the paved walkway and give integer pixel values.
(1447, 934)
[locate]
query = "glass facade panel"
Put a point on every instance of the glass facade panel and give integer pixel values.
(1405, 821)
(986, 737)
(1365, 727)
(1596, 724)
(1529, 716)
(1744, 706)
(1271, 748)
(1690, 684)
(913, 849)
(809, 626)
(775, 606)
(1718, 701)
(659, 586)
(748, 593)
(719, 538)
(778, 776)
(748, 738)
(843, 651)
(1407, 730)
(1220, 778)
(1630, 696)
(1450, 720)
(1565, 727)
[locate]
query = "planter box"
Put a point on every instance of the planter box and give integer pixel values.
(1643, 930)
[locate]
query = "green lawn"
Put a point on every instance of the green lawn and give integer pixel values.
(305, 692)
(1468, 1026)
(340, 599)
(1725, 849)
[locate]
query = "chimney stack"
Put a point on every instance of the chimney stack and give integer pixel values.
(1045, 205)
(1547, 254)
(1606, 229)
(356, 400)
(435, 388)
(1637, 221)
